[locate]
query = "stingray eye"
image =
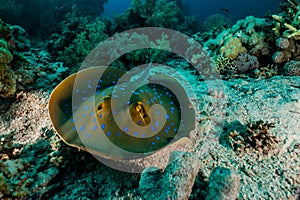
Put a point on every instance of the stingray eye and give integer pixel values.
(100, 107)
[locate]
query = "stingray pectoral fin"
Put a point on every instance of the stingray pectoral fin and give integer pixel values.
(60, 103)
(188, 118)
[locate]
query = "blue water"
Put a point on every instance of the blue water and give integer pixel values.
(203, 8)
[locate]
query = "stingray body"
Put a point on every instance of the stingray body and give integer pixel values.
(83, 112)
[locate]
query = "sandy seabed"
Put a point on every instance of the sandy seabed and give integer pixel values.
(35, 163)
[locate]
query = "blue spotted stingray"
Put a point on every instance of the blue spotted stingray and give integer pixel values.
(82, 113)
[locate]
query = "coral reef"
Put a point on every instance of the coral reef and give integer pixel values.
(245, 62)
(287, 30)
(288, 21)
(232, 47)
(245, 36)
(292, 68)
(77, 37)
(21, 66)
(224, 65)
(7, 79)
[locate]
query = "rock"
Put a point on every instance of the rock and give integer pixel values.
(223, 184)
(175, 182)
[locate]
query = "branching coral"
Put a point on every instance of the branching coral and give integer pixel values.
(256, 136)
(287, 29)
(288, 21)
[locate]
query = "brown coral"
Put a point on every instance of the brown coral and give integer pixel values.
(257, 136)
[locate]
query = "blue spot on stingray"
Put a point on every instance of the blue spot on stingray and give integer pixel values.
(167, 116)
(118, 134)
(84, 98)
(95, 127)
(115, 75)
(92, 114)
(123, 89)
(67, 112)
(149, 101)
(143, 135)
(153, 128)
(157, 137)
(72, 120)
(125, 129)
(89, 86)
(100, 116)
(153, 143)
(108, 133)
(139, 122)
(82, 128)
(115, 96)
(114, 82)
(134, 92)
(168, 127)
(100, 81)
(84, 115)
(171, 102)
(167, 93)
(115, 112)
(102, 126)
(156, 123)
(175, 129)
(136, 134)
(86, 107)
(66, 105)
(94, 120)
(157, 112)
(87, 135)
(172, 124)
(172, 108)
(98, 86)
(74, 128)
(160, 102)
(77, 91)
(97, 92)
(166, 131)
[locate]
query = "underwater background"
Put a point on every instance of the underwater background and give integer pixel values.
(240, 95)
